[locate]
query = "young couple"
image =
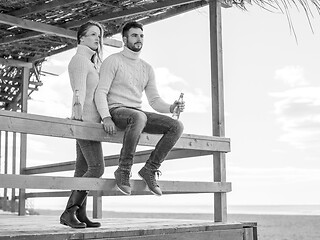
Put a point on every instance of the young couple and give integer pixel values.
(111, 90)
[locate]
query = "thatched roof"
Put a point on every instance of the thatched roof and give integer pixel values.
(32, 30)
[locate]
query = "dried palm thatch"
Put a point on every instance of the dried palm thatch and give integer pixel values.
(31, 30)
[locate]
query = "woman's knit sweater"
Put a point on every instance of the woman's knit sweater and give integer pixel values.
(123, 78)
(84, 77)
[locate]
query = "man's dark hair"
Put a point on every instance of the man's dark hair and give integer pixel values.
(130, 25)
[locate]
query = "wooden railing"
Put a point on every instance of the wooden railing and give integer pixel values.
(189, 145)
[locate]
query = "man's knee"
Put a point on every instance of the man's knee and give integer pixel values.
(178, 126)
(139, 119)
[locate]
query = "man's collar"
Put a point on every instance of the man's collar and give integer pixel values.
(130, 54)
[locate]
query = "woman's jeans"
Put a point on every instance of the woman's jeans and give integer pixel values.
(90, 162)
(134, 122)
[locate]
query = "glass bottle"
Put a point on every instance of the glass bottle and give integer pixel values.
(176, 110)
(77, 108)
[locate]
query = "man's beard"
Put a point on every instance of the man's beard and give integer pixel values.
(133, 48)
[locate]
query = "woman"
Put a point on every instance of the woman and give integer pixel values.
(83, 72)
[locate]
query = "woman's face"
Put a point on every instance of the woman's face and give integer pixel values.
(91, 38)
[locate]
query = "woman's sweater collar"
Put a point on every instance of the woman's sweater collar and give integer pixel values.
(130, 54)
(86, 51)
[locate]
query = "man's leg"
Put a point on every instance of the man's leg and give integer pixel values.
(172, 130)
(133, 122)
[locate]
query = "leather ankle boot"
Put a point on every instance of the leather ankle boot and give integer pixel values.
(82, 216)
(68, 217)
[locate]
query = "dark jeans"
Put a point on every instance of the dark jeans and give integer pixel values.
(134, 122)
(89, 162)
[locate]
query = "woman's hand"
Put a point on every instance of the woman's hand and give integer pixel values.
(109, 126)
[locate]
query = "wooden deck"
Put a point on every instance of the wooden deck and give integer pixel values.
(16, 227)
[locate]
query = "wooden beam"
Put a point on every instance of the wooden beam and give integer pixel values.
(174, 12)
(218, 127)
(23, 139)
(36, 26)
(107, 186)
(19, 37)
(66, 128)
(107, 17)
(43, 7)
(140, 157)
(132, 11)
(16, 63)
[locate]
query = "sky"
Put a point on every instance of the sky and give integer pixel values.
(272, 106)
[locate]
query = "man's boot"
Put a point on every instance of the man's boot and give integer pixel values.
(68, 217)
(149, 177)
(82, 216)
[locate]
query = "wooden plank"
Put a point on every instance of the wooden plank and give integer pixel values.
(97, 204)
(66, 128)
(16, 63)
(109, 16)
(203, 235)
(14, 165)
(113, 160)
(107, 185)
(37, 26)
(23, 140)
(48, 227)
(5, 190)
(141, 9)
(218, 121)
(43, 7)
(44, 29)
(174, 12)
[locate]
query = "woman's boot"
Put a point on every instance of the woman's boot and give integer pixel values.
(75, 201)
(82, 216)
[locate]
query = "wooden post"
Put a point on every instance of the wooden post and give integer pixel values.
(0, 150)
(23, 140)
(218, 128)
(5, 191)
(14, 160)
(97, 205)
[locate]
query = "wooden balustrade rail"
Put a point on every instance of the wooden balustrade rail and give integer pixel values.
(189, 145)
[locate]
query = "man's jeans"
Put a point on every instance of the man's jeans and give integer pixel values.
(89, 161)
(134, 122)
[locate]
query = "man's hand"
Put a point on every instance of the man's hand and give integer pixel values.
(181, 106)
(109, 125)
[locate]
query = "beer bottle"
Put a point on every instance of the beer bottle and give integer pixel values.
(176, 110)
(77, 108)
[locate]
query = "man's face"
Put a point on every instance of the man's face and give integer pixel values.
(134, 39)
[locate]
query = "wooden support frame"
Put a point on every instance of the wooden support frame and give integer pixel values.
(189, 145)
(113, 160)
(6, 155)
(66, 128)
(108, 185)
(218, 128)
(23, 141)
(47, 29)
(14, 164)
(16, 63)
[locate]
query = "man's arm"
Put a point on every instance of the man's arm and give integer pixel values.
(106, 76)
(154, 99)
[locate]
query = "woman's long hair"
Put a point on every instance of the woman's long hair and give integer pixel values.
(82, 31)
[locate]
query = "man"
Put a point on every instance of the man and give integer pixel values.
(123, 78)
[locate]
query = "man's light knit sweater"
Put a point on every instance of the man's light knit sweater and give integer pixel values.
(123, 78)
(84, 77)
